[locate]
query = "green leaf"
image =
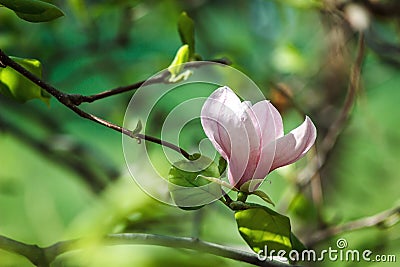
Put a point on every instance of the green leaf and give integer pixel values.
(15, 85)
(222, 164)
(33, 10)
(181, 57)
(249, 186)
(186, 32)
(263, 228)
(263, 196)
(188, 188)
(137, 130)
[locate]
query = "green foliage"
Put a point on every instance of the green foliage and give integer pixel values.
(188, 187)
(262, 227)
(33, 10)
(18, 87)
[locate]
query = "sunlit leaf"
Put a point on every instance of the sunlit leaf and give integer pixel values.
(33, 10)
(263, 228)
(15, 85)
(187, 186)
(176, 67)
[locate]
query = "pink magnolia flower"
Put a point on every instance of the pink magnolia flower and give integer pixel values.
(250, 137)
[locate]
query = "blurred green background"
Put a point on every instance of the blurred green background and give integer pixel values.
(48, 154)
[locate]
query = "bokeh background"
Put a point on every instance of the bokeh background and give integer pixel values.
(63, 177)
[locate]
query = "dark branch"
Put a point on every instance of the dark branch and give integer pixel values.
(66, 101)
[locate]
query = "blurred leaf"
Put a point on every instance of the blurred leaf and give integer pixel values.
(15, 85)
(287, 58)
(186, 32)
(296, 243)
(263, 228)
(187, 186)
(4, 90)
(303, 207)
(181, 57)
(33, 10)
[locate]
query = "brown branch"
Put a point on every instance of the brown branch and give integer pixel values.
(79, 99)
(379, 219)
(66, 101)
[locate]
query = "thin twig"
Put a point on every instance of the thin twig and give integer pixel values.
(66, 101)
(79, 99)
(367, 222)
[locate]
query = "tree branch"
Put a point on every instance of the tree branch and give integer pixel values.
(33, 253)
(65, 99)
(390, 216)
(46, 255)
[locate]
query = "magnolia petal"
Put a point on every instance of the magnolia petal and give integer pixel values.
(214, 113)
(295, 144)
(266, 160)
(271, 125)
(228, 123)
(269, 120)
(253, 133)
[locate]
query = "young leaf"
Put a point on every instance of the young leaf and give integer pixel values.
(250, 185)
(19, 87)
(181, 57)
(263, 196)
(186, 32)
(188, 188)
(33, 10)
(263, 228)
